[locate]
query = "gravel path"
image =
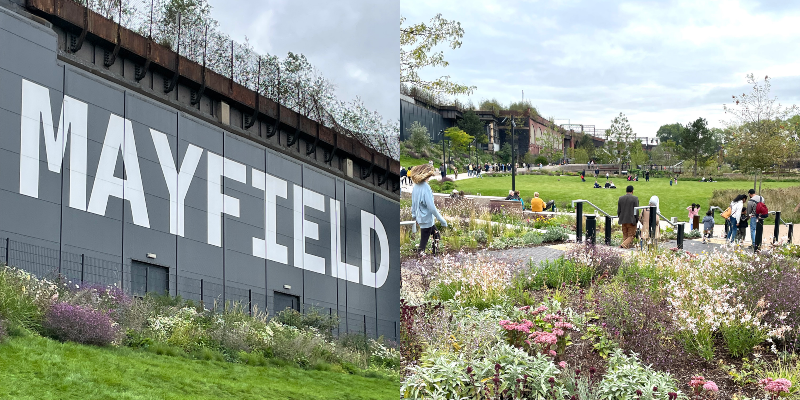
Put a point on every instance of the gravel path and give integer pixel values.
(523, 256)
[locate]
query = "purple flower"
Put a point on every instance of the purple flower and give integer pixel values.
(80, 324)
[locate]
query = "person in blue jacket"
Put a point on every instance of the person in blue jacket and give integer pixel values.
(423, 210)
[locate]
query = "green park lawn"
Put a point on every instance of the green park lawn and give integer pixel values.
(673, 199)
(33, 367)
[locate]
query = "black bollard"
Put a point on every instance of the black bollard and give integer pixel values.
(759, 233)
(791, 228)
(680, 235)
(591, 228)
(608, 231)
(777, 227)
(578, 221)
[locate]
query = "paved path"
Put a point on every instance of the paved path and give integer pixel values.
(522, 257)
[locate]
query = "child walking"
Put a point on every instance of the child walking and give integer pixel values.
(708, 226)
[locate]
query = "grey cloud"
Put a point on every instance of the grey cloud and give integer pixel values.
(593, 59)
(352, 43)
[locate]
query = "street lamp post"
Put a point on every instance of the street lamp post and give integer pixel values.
(444, 154)
(513, 164)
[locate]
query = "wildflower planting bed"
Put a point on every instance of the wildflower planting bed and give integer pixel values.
(602, 323)
(673, 199)
(131, 333)
(474, 227)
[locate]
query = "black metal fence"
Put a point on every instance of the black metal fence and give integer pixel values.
(79, 269)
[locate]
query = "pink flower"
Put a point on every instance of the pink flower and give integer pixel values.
(711, 386)
(543, 337)
(553, 353)
(562, 364)
(697, 382)
(776, 386)
(564, 325)
(558, 332)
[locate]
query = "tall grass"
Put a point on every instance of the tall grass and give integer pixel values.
(776, 199)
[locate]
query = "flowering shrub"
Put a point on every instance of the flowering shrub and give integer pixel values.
(24, 298)
(502, 372)
(538, 331)
(627, 378)
(703, 389)
(776, 387)
(80, 324)
(604, 260)
(100, 297)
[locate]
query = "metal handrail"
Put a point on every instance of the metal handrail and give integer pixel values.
(595, 207)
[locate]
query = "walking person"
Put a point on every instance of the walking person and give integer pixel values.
(443, 170)
(627, 216)
(455, 172)
(647, 176)
(606, 176)
(708, 226)
(752, 203)
(423, 210)
(645, 221)
(403, 175)
(736, 215)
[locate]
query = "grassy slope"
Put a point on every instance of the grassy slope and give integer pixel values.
(33, 367)
(673, 199)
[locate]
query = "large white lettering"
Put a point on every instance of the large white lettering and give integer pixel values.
(370, 222)
(219, 203)
(178, 181)
(119, 137)
(339, 268)
(37, 116)
(310, 230)
(269, 248)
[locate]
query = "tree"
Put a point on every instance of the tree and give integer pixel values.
(523, 106)
(418, 136)
(474, 127)
(664, 153)
(490, 104)
(504, 154)
(458, 139)
(696, 142)
(618, 137)
(551, 143)
(669, 132)
(760, 137)
(416, 44)
(637, 154)
(579, 155)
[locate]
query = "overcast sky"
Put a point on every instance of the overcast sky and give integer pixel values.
(658, 62)
(353, 43)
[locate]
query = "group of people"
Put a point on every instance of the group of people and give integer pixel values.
(608, 185)
(739, 214)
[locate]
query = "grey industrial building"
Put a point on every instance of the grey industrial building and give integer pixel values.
(108, 177)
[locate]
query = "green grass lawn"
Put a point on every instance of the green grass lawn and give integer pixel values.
(33, 367)
(673, 199)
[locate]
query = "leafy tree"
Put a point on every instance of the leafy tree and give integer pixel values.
(664, 154)
(618, 141)
(637, 154)
(458, 139)
(551, 142)
(579, 155)
(669, 132)
(490, 104)
(523, 106)
(416, 52)
(418, 136)
(504, 154)
(696, 142)
(474, 127)
(760, 137)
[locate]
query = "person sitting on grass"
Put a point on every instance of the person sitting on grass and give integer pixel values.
(597, 185)
(611, 185)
